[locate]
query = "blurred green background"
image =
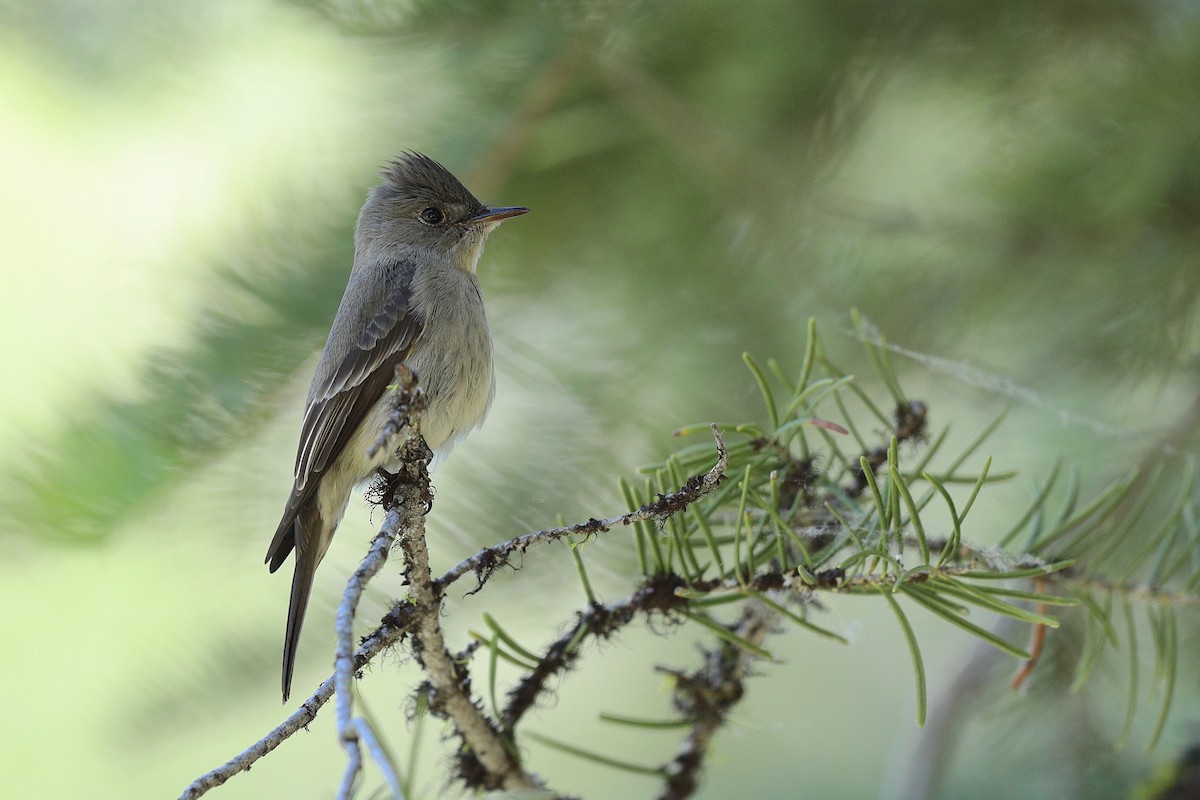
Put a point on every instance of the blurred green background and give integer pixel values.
(1011, 191)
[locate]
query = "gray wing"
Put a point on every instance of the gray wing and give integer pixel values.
(339, 402)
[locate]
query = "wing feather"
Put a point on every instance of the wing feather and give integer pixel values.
(340, 403)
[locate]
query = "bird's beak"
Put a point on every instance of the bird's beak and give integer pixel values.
(496, 215)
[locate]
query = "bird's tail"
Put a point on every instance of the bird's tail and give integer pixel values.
(312, 537)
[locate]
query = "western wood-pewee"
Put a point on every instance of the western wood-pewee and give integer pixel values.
(412, 298)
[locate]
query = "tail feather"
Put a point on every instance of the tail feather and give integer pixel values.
(302, 582)
(311, 537)
(285, 534)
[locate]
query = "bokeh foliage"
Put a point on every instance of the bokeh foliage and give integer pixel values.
(1008, 184)
(700, 147)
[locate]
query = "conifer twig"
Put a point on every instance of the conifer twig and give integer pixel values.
(487, 561)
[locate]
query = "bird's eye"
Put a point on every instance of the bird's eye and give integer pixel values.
(433, 216)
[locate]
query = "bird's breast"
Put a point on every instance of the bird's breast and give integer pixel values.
(453, 359)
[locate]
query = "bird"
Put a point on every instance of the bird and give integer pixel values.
(412, 298)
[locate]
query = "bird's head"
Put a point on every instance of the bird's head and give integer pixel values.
(421, 207)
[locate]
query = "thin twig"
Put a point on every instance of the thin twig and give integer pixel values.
(344, 662)
(658, 594)
(381, 639)
(487, 561)
(707, 696)
(407, 503)
(366, 734)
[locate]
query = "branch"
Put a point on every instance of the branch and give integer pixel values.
(707, 696)
(657, 594)
(381, 639)
(494, 765)
(407, 500)
(402, 618)
(351, 730)
(487, 561)
(409, 403)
